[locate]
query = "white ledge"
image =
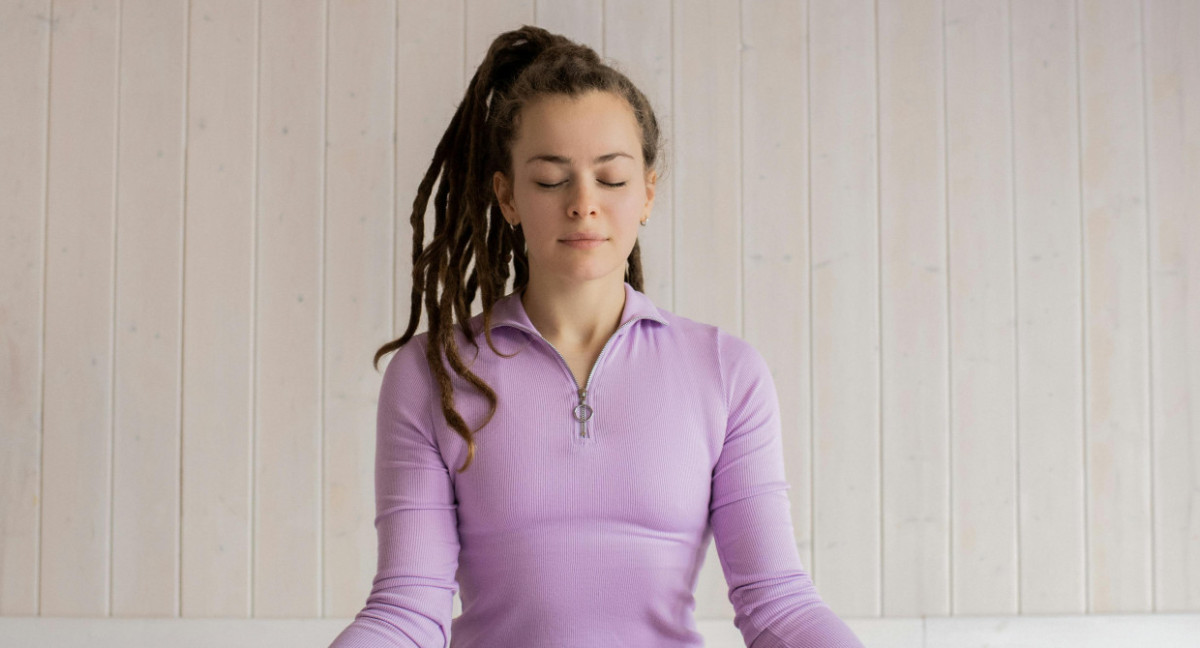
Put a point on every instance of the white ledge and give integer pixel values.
(1092, 631)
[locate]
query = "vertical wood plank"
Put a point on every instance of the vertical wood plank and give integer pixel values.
(1116, 352)
(359, 180)
(25, 44)
(289, 294)
(912, 186)
(218, 298)
(982, 295)
(1049, 329)
(431, 78)
(982, 309)
(775, 217)
(77, 445)
(148, 305)
(637, 41)
(1173, 156)
(845, 305)
(580, 20)
(707, 162)
(707, 186)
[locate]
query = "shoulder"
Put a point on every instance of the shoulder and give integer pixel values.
(736, 361)
(736, 352)
(728, 349)
(744, 370)
(407, 367)
(686, 329)
(413, 349)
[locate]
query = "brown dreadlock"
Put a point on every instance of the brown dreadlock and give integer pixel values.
(521, 65)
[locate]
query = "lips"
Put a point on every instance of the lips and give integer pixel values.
(582, 236)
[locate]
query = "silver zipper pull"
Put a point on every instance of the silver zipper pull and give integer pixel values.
(583, 412)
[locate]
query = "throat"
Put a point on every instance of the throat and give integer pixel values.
(580, 363)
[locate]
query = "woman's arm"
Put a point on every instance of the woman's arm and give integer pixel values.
(775, 601)
(411, 600)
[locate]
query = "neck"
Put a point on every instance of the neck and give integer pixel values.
(575, 315)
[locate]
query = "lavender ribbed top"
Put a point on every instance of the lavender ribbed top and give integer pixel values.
(586, 533)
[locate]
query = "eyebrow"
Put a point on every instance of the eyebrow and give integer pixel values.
(558, 159)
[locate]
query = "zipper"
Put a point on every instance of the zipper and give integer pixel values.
(582, 411)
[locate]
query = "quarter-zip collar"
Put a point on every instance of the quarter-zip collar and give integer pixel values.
(509, 311)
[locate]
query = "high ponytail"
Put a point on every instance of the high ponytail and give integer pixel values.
(520, 66)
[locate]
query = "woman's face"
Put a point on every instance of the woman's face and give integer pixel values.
(577, 170)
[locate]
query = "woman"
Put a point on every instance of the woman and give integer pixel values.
(606, 438)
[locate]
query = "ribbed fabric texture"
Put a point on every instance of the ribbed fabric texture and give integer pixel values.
(592, 534)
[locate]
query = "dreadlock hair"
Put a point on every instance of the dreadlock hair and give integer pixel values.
(521, 66)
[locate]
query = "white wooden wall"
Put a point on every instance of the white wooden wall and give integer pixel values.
(965, 233)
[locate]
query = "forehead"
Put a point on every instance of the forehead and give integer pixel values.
(583, 125)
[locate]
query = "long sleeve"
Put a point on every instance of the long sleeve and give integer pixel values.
(776, 604)
(411, 599)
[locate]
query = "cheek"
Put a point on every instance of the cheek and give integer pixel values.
(631, 204)
(525, 199)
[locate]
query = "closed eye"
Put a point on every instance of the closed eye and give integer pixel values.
(607, 184)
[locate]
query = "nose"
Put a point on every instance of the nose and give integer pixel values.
(583, 200)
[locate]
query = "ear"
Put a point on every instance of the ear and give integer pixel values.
(651, 178)
(503, 190)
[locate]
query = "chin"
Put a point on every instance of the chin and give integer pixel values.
(590, 271)
(586, 267)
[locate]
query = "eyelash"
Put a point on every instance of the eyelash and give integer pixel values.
(607, 184)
